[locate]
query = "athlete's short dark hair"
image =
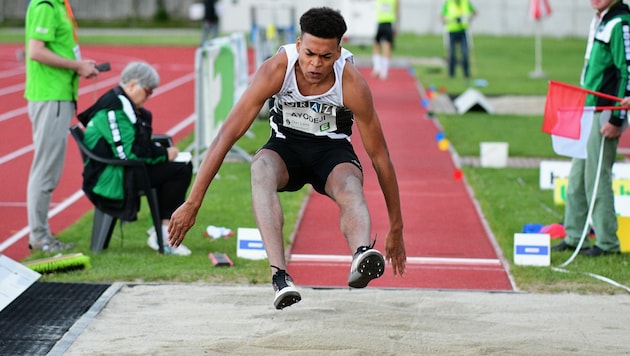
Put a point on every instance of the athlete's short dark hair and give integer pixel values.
(323, 22)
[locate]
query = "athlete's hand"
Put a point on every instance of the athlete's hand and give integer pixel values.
(395, 253)
(181, 221)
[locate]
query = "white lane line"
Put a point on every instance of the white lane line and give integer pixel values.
(12, 113)
(174, 84)
(56, 210)
(190, 120)
(5, 204)
(12, 72)
(12, 89)
(410, 260)
(15, 154)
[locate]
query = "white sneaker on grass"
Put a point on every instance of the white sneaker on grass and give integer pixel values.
(168, 250)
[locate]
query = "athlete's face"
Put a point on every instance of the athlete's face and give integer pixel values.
(601, 5)
(317, 57)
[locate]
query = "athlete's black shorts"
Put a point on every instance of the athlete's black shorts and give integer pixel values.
(384, 32)
(311, 161)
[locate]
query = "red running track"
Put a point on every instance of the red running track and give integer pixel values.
(172, 105)
(447, 244)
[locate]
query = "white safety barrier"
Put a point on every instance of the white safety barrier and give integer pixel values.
(221, 76)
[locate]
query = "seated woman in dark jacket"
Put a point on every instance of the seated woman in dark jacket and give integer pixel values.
(117, 125)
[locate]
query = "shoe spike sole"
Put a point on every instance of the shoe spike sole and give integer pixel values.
(371, 268)
(288, 300)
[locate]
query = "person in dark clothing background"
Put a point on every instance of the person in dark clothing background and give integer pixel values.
(210, 27)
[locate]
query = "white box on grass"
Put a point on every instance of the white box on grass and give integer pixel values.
(249, 244)
(532, 249)
(494, 154)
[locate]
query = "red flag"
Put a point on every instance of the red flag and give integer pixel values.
(575, 148)
(539, 9)
(564, 109)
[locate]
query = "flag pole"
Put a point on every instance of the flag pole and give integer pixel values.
(596, 108)
(569, 100)
(612, 108)
(538, 72)
(592, 92)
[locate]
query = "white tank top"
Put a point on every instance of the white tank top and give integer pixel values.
(294, 115)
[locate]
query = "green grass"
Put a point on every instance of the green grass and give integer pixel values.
(521, 132)
(509, 198)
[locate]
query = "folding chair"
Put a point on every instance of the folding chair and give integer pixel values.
(104, 223)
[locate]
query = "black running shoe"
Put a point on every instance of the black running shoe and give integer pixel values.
(286, 294)
(367, 264)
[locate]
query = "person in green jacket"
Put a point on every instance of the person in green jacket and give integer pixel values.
(606, 70)
(119, 126)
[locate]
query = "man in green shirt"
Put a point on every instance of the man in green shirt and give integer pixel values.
(606, 70)
(53, 68)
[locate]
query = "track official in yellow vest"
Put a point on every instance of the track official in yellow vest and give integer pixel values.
(456, 17)
(386, 16)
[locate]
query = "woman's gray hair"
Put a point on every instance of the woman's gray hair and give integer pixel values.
(143, 73)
